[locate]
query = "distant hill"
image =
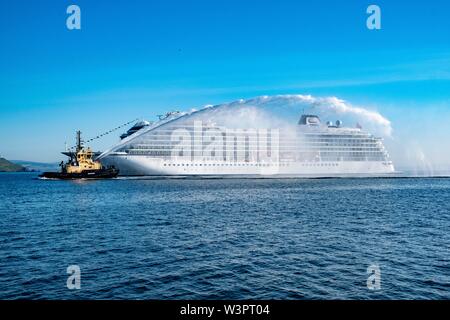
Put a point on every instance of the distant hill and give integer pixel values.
(8, 166)
(37, 166)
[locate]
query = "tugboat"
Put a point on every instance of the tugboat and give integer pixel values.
(81, 165)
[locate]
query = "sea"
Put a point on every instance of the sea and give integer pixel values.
(149, 238)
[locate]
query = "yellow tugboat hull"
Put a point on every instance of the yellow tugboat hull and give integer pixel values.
(87, 174)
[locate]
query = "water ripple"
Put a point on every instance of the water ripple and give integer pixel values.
(224, 239)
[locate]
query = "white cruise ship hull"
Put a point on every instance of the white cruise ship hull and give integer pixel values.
(136, 165)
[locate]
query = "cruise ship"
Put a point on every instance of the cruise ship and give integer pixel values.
(192, 144)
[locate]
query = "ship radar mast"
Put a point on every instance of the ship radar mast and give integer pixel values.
(79, 143)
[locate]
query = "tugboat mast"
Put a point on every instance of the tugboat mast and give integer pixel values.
(79, 145)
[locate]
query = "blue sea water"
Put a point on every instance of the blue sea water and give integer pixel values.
(224, 238)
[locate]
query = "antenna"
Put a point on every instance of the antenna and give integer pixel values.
(79, 145)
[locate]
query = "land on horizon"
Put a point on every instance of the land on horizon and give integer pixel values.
(26, 166)
(8, 166)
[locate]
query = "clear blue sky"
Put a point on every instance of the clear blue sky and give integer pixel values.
(140, 58)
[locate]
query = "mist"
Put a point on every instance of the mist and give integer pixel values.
(410, 149)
